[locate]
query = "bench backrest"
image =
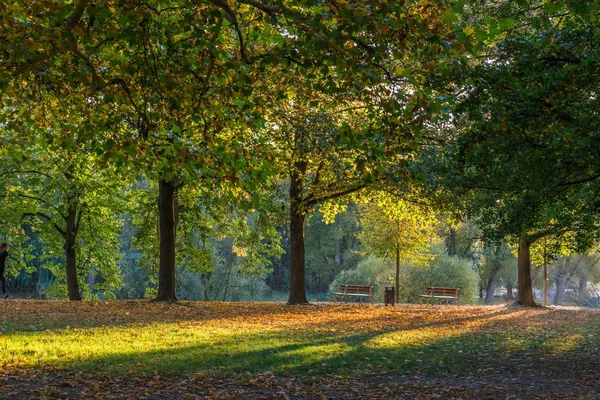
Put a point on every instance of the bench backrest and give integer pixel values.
(443, 290)
(356, 289)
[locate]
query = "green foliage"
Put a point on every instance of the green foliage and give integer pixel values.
(45, 188)
(217, 241)
(371, 271)
(447, 271)
(331, 247)
(497, 260)
(389, 223)
(442, 270)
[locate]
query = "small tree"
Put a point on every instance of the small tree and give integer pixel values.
(392, 227)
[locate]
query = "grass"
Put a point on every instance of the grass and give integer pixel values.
(325, 339)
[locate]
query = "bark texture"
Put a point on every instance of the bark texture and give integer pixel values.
(397, 281)
(491, 287)
(562, 279)
(509, 292)
(452, 242)
(70, 235)
(524, 264)
(297, 244)
(167, 209)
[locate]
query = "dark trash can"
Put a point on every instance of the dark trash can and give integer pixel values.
(390, 295)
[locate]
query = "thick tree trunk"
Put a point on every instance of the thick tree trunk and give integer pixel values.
(167, 210)
(297, 262)
(561, 285)
(452, 242)
(491, 287)
(297, 249)
(70, 236)
(524, 263)
(509, 292)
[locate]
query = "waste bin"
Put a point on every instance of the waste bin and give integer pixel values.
(390, 295)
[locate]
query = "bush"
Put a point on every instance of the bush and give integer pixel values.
(443, 270)
(372, 271)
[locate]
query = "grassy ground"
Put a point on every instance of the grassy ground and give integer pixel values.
(249, 350)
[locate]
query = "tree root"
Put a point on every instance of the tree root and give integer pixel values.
(518, 304)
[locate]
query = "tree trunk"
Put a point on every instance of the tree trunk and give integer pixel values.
(71, 255)
(509, 292)
(582, 286)
(297, 249)
(491, 287)
(205, 279)
(227, 281)
(452, 242)
(397, 281)
(524, 263)
(338, 253)
(561, 285)
(297, 261)
(167, 210)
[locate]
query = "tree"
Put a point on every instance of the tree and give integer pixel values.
(213, 234)
(71, 199)
(526, 121)
(322, 167)
(498, 258)
(390, 225)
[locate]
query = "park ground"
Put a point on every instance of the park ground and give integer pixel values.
(146, 350)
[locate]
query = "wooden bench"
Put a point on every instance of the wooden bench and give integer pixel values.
(359, 291)
(442, 293)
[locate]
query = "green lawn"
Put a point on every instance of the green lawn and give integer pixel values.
(326, 340)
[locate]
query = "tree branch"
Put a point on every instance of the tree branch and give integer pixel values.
(588, 179)
(231, 17)
(311, 200)
(47, 219)
(269, 9)
(77, 13)
(66, 46)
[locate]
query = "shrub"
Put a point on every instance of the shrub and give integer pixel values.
(442, 270)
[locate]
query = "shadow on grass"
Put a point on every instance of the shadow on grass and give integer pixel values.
(435, 342)
(432, 349)
(20, 316)
(32, 315)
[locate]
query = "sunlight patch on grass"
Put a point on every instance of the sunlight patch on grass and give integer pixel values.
(564, 344)
(412, 338)
(142, 338)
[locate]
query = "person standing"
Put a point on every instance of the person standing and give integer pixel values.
(3, 260)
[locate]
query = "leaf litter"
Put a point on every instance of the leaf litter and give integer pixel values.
(342, 351)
